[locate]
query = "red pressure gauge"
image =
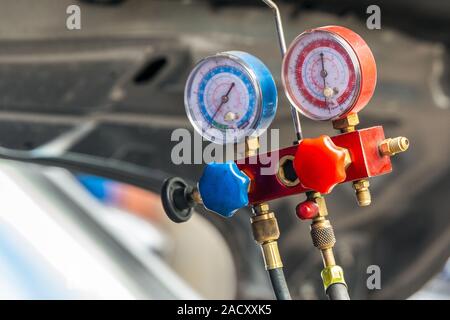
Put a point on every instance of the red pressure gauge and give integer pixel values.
(328, 73)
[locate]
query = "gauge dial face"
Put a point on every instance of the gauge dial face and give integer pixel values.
(222, 99)
(321, 75)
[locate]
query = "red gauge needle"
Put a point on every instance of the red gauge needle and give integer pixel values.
(224, 100)
(324, 74)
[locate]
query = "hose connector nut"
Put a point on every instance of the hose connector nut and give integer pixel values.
(265, 227)
(322, 235)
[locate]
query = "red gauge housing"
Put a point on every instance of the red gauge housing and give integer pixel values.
(328, 73)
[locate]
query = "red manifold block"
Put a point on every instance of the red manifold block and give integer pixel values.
(366, 162)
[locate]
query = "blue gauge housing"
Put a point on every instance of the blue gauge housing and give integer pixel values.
(241, 75)
(253, 108)
(267, 87)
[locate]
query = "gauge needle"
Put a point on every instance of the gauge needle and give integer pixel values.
(224, 100)
(327, 92)
(323, 73)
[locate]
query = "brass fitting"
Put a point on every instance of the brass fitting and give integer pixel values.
(392, 146)
(266, 233)
(251, 146)
(348, 159)
(346, 124)
(261, 208)
(195, 195)
(328, 257)
(332, 275)
(322, 234)
(265, 228)
(317, 198)
(271, 254)
(362, 192)
(323, 238)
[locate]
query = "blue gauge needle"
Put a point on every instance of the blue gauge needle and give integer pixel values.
(224, 100)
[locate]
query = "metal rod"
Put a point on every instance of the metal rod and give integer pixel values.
(279, 24)
(282, 43)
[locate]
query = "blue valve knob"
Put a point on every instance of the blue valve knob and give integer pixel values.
(223, 188)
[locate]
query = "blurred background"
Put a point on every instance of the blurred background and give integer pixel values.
(86, 117)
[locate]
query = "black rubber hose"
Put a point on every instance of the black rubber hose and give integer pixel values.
(279, 284)
(338, 291)
(149, 179)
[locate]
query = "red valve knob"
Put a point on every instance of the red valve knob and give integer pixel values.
(320, 164)
(307, 210)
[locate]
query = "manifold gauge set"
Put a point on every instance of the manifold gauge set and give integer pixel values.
(328, 74)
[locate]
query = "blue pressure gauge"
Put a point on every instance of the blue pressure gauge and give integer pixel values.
(230, 96)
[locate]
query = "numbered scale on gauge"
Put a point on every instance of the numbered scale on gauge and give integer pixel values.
(328, 73)
(230, 96)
